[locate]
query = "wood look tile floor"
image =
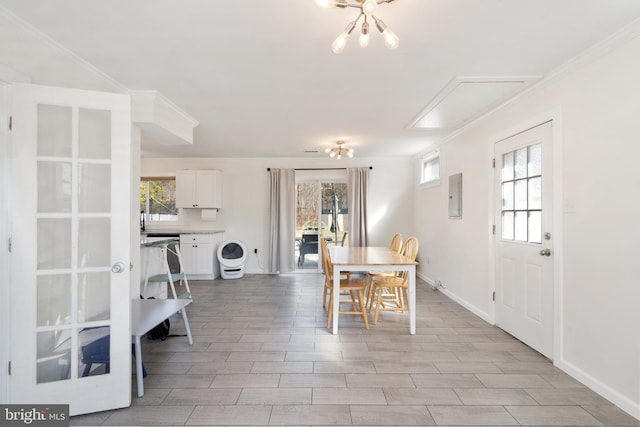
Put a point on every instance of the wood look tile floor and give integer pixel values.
(262, 356)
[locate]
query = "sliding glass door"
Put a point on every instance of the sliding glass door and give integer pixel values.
(321, 213)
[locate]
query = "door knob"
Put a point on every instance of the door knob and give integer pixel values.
(545, 252)
(118, 267)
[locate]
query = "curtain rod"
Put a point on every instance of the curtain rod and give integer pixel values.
(319, 169)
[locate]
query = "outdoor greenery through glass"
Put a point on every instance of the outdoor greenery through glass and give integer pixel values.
(158, 199)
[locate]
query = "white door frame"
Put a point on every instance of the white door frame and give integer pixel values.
(7, 76)
(5, 294)
(555, 116)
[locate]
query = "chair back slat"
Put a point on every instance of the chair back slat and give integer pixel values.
(410, 250)
(396, 242)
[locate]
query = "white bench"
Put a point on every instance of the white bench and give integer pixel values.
(145, 315)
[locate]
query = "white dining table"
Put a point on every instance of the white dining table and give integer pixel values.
(371, 258)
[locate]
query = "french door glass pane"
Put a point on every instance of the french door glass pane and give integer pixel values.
(54, 243)
(94, 235)
(53, 357)
(94, 351)
(94, 134)
(94, 297)
(54, 187)
(94, 182)
(54, 299)
(54, 131)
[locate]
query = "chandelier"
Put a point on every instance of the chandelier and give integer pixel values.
(367, 10)
(339, 150)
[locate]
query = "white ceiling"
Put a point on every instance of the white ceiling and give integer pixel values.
(259, 75)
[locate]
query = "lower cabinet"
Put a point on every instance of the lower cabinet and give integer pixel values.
(199, 254)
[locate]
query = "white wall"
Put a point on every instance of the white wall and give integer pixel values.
(246, 186)
(599, 328)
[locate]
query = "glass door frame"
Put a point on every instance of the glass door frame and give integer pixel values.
(319, 178)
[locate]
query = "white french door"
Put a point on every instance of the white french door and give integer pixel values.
(70, 226)
(524, 237)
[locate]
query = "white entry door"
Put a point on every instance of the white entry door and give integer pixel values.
(524, 237)
(70, 225)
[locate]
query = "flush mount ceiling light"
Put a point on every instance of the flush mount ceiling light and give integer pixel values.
(338, 151)
(367, 9)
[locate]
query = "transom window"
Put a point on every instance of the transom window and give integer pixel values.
(522, 194)
(430, 167)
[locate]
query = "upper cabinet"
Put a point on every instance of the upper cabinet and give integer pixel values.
(199, 189)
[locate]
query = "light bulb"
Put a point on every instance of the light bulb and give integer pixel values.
(325, 3)
(369, 7)
(333, 154)
(350, 152)
(390, 38)
(364, 35)
(341, 41)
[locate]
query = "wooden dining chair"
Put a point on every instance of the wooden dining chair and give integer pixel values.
(395, 245)
(351, 286)
(391, 293)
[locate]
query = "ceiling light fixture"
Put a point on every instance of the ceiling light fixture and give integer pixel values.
(367, 9)
(339, 150)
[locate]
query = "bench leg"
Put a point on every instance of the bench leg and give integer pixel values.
(186, 325)
(139, 371)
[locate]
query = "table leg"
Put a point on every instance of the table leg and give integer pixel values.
(186, 325)
(139, 372)
(412, 299)
(336, 298)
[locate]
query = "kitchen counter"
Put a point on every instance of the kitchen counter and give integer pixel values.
(176, 232)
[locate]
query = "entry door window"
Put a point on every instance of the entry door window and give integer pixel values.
(522, 194)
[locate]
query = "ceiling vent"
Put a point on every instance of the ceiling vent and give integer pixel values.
(465, 99)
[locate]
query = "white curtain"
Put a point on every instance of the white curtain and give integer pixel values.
(282, 221)
(357, 187)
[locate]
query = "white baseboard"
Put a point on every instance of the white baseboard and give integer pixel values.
(623, 402)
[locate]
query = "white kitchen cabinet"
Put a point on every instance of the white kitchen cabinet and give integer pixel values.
(199, 254)
(199, 189)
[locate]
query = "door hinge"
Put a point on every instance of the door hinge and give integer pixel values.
(9, 368)
(493, 229)
(10, 123)
(493, 297)
(9, 244)
(493, 163)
